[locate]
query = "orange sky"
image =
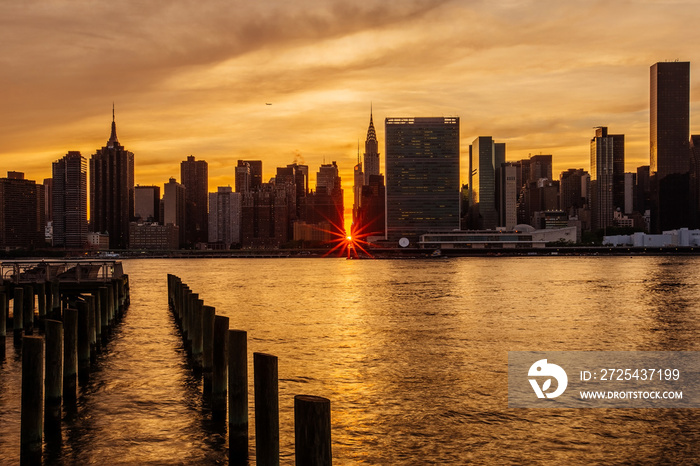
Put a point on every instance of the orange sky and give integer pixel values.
(193, 77)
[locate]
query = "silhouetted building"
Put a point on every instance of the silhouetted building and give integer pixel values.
(147, 203)
(422, 176)
(372, 215)
(371, 156)
(265, 216)
(112, 191)
(255, 173)
(669, 149)
(242, 177)
(507, 191)
(174, 207)
(152, 236)
(540, 166)
(485, 156)
(225, 217)
(607, 158)
(21, 212)
(694, 180)
(69, 186)
(48, 199)
(573, 185)
(194, 176)
(358, 182)
(327, 177)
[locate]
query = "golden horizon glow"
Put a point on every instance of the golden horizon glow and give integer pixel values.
(195, 79)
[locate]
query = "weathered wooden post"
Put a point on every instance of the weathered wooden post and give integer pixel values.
(197, 341)
(32, 416)
(55, 298)
(28, 309)
(238, 395)
(110, 302)
(3, 323)
(18, 314)
(104, 312)
(92, 333)
(220, 369)
(83, 340)
(70, 355)
(97, 309)
(41, 297)
(191, 305)
(267, 424)
(54, 370)
(208, 315)
(186, 317)
(312, 430)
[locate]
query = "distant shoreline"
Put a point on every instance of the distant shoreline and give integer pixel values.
(374, 253)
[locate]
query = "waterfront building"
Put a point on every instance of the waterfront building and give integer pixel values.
(521, 237)
(224, 217)
(194, 176)
(607, 167)
(485, 157)
(21, 212)
(422, 176)
(573, 185)
(174, 208)
(507, 195)
(69, 203)
(112, 191)
(669, 155)
(147, 203)
(152, 236)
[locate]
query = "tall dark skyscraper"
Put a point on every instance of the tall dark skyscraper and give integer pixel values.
(147, 203)
(371, 157)
(607, 168)
(485, 157)
(422, 176)
(669, 155)
(194, 175)
(254, 179)
(112, 191)
(69, 201)
(175, 207)
(21, 212)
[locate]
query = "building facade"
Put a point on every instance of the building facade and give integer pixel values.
(174, 208)
(607, 168)
(194, 176)
(147, 203)
(112, 191)
(21, 212)
(225, 217)
(69, 203)
(422, 176)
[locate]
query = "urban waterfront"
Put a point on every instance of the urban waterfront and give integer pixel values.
(412, 354)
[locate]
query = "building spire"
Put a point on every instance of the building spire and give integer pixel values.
(113, 136)
(371, 133)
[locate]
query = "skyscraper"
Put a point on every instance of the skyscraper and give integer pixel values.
(607, 166)
(69, 201)
(112, 191)
(21, 212)
(669, 144)
(254, 173)
(194, 175)
(225, 217)
(422, 176)
(174, 207)
(371, 156)
(147, 203)
(485, 157)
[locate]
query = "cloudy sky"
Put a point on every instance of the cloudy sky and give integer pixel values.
(193, 77)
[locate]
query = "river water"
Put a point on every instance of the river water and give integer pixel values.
(412, 354)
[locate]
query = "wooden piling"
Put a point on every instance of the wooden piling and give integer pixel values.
(28, 309)
(97, 309)
(220, 369)
(104, 311)
(92, 333)
(32, 416)
(3, 323)
(238, 395)
(83, 340)
(55, 298)
(110, 306)
(312, 430)
(208, 315)
(18, 314)
(70, 354)
(41, 298)
(54, 370)
(197, 334)
(267, 432)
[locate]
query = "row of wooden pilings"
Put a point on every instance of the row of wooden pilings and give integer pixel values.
(71, 328)
(220, 354)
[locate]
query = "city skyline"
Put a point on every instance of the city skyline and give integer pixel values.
(196, 81)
